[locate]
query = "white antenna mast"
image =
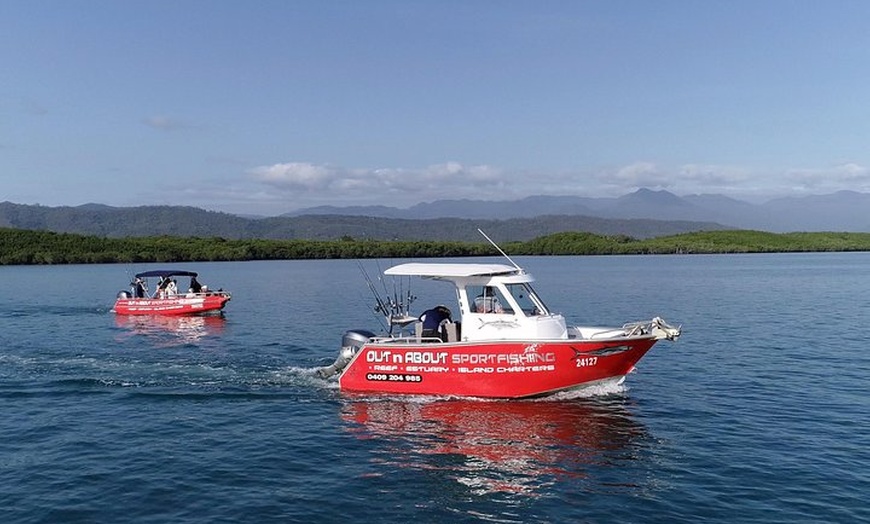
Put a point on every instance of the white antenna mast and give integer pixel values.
(499, 249)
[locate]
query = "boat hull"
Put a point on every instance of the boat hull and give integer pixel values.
(495, 369)
(180, 305)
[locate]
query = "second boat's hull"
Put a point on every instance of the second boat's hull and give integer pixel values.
(498, 369)
(180, 305)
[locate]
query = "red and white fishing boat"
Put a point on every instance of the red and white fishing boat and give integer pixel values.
(167, 299)
(506, 343)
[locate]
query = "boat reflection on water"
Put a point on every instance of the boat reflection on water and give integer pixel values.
(172, 330)
(504, 446)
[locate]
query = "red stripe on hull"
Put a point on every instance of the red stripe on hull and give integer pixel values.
(501, 369)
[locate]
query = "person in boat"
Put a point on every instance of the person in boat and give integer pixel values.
(487, 302)
(195, 286)
(171, 288)
(139, 288)
(161, 288)
(433, 319)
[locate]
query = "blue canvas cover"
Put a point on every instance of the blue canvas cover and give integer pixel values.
(165, 273)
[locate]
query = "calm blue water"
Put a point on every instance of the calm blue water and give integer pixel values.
(760, 413)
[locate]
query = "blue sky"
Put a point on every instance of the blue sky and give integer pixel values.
(269, 106)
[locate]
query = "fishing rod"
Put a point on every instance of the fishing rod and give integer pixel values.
(402, 299)
(378, 318)
(392, 301)
(380, 305)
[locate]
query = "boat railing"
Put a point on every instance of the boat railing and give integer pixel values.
(656, 327)
(189, 294)
(219, 292)
(406, 339)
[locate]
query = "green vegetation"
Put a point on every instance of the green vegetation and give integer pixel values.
(741, 241)
(18, 246)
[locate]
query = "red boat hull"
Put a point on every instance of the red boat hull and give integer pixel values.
(497, 369)
(180, 305)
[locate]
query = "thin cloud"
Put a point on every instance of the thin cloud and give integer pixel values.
(164, 123)
(712, 176)
(453, 180)
(296, 176)
(643, 174)
(292, 185)
(844, 176)
(440, 179)
(32, 107)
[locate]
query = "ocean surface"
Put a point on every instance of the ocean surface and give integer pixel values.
(759, 413)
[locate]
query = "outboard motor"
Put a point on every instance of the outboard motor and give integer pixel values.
(351, 342)
(123, 294)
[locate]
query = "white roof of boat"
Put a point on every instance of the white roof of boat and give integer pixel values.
(418, 269)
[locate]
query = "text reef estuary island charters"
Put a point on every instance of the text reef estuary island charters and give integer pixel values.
(506, 343)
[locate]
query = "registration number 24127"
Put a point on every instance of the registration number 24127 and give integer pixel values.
(586, 362)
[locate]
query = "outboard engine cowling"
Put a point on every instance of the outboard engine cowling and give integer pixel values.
(356, 338)
(351, 342)
(123, 294)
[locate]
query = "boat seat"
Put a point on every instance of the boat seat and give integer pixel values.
(451, 332)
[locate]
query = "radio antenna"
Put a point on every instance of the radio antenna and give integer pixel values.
(499, 249)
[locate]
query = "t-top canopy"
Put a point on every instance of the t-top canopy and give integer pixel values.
(164, 273)
(451, 270)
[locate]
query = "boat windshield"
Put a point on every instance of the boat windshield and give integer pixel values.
(527, 299)
(488, 299)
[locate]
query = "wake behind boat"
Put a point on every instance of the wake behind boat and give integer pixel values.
(506, 343)
(167, 299)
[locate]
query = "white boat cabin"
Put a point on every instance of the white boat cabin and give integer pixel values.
(496, 301)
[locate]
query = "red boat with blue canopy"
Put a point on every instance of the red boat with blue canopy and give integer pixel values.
(167, 298)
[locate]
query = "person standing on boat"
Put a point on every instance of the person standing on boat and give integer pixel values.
(487, 301)
(161, 288)
(433, 319)
(171, 288)
(139, 288)
(195, 286)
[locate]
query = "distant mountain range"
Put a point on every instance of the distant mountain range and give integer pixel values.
(105, 221)
(841, 211)
(642, 214)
